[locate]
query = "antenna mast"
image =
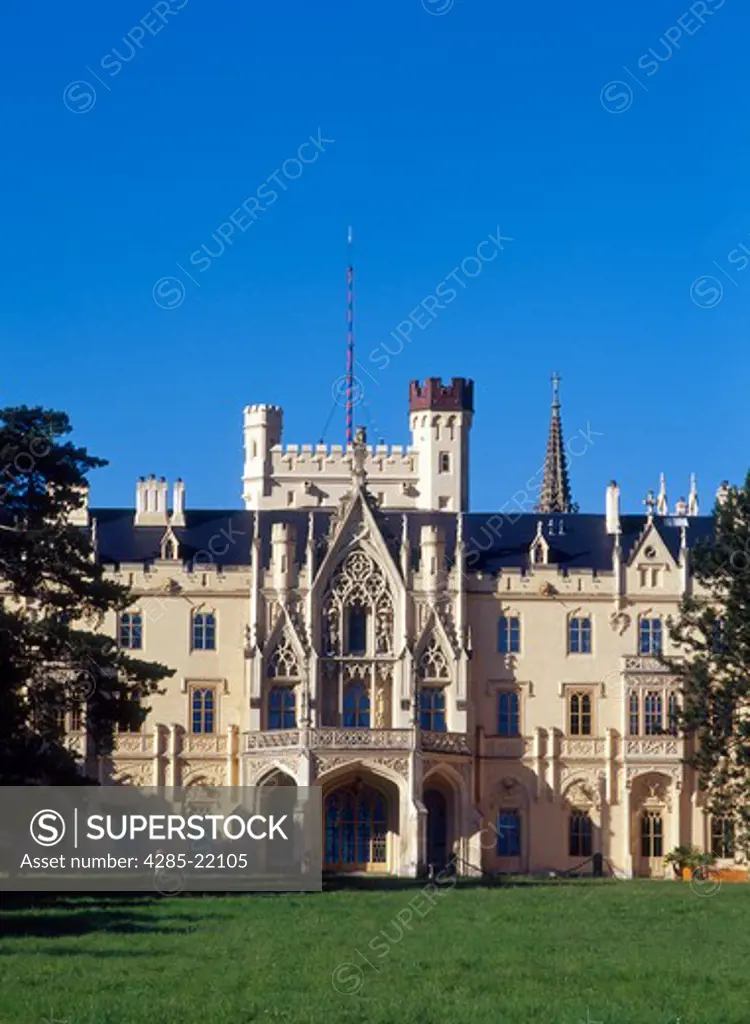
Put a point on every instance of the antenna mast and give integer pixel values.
(349, 341)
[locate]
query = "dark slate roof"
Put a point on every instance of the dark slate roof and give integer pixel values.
(493, 541)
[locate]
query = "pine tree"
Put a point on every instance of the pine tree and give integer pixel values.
(53, 661)
(713, 632)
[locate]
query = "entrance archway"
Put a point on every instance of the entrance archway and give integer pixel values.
(437, 829)
(356, 828)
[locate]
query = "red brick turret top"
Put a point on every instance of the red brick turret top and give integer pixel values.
(458, 396)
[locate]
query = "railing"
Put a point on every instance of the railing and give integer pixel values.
(134, 744)
(331, 739)
(445, 742)
(206, 745)
(582, 746)
(652, 746)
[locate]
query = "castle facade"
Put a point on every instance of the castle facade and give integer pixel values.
(478, 688)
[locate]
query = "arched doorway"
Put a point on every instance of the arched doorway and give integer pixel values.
(356, 829)
(437, 829)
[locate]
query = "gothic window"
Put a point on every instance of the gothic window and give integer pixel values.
(131, 631)
(722, 837)
(580, 834)
(652, 713)
(283, 662)
(358, 594)
(649, 636)
(509, 834)
(579, 714)
(634, 714)
(356, 706)
(673, 710)
(652, 834)
(508, 713)
(204, 631)
(357, 632)
(203, 709)
(433, 665)
(432, 709)
(282, 710)
(579, 634)
(509, 634)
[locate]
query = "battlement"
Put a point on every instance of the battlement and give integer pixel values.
(433, 395)
(305, 453)
(263, 408)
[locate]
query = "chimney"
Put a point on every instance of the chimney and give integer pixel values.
(613, 508)
(151, 502)
(178, 503)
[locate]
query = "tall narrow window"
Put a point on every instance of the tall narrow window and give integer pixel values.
(356, 707)
(204, 631)
(509, 834)
(650, 636)
(652, 845)
(203, 709)
(653, 721)
(444, 463)
(131, 631)
(722, 837)
(357, 629)
(579, 715)
(634, 710)
(580, 841)
(508, 713)
(673, 714)
(282, 711)
(579, 635)
(432, 708)
(509, 634)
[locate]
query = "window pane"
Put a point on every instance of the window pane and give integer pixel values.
(357, 630)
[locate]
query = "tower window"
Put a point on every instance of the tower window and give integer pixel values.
(204, 631)
(131, 631)
(444, 462)
(509, 634)
(508, 713)
(649, 636)
(203, 709)
(579, 635)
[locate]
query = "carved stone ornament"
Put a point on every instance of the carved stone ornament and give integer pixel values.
(619, 621)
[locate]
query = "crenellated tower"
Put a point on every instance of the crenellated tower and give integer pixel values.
(440, 417)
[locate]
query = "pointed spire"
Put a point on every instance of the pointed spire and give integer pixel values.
(662, 506)
(555, 496)
(693, 497)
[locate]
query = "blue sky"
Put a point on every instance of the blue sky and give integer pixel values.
(608, 141)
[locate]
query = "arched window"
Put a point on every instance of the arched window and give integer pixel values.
(204, 631)
(282, 709)
(508, 713)
(509, 834)
(131, 631)
(356, 706)
(653, 721)
(649, 636)
(509, 634)
(356, 828)
(203, 709)
(432, 708)
(579, 635)
(358, 609)
(580, 834)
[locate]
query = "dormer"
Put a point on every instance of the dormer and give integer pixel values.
(539, 549)
(170, 546)
(651, 566)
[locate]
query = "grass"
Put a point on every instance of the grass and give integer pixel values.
(535, 953)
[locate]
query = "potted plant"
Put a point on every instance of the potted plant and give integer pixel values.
(688, 862)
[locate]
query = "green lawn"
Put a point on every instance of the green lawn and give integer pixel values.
(551, 952)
